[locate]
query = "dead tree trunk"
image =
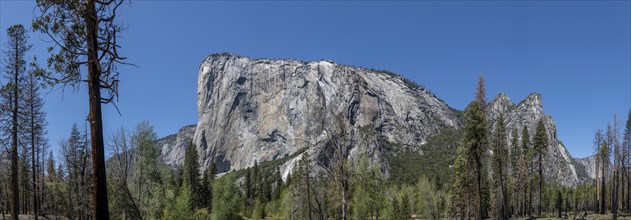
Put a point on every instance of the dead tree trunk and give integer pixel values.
(99, 195)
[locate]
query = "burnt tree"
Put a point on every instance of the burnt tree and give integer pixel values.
(85, 33)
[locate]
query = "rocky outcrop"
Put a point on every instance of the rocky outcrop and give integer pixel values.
(260, 109)
(172, 147)
(586, 168)
(255, 110)
(558, 163)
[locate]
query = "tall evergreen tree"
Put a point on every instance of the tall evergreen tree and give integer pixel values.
(75, 151)
(248, 186)
(461, 190)
(205, 190)
(500, 162)
(480, 94)
(474, 142)
(14, 69)
(515, 151)
(191, 174)
(527, 152)
(278, 186)
(521, 184)
(540, 148)
(208, 181)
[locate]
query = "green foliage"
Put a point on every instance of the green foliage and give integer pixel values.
(227, 198)
(201, 214)
(191, 173)
(368, 196)
(259, 210)
(500, 161)
(431, 202)
(435, 162)
(400, 209)
(183, 206)
(395, 210)
(267, 167)
(540, 148)
(541, 139)
(406, 212)
(205, 189)
(515, 150)
(461, 183)
(525, 142)
(470, 185)
(147, 180)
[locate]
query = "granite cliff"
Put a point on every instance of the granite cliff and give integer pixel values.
(255, 110)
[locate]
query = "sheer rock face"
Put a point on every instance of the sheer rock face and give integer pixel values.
(261, 109)
(172, 147)
(558, 164)
(589, 168)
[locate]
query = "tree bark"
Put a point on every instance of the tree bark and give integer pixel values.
(33, 158)
(480, 208)
(602, 188)
(15, 196)
(99, 196)
(540, 184)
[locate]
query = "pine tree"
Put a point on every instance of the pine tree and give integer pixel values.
(35, 126)
(85, 35)
(500, 156)
(183, 207)
(205, 193)
(14, 69)
(461, 195)
(211, 178)
(515, 153)
(256, 181)
(480, 94)
(278, 187)
(248, 186)
(469, 167)
(540, 148)
(75, 151)
(522, 184)
(191, 174)
(527, 152)
(147, 172)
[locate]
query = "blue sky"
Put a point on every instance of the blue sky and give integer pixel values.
(577, 54)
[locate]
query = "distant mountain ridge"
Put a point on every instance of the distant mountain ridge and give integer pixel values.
(264, 109)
